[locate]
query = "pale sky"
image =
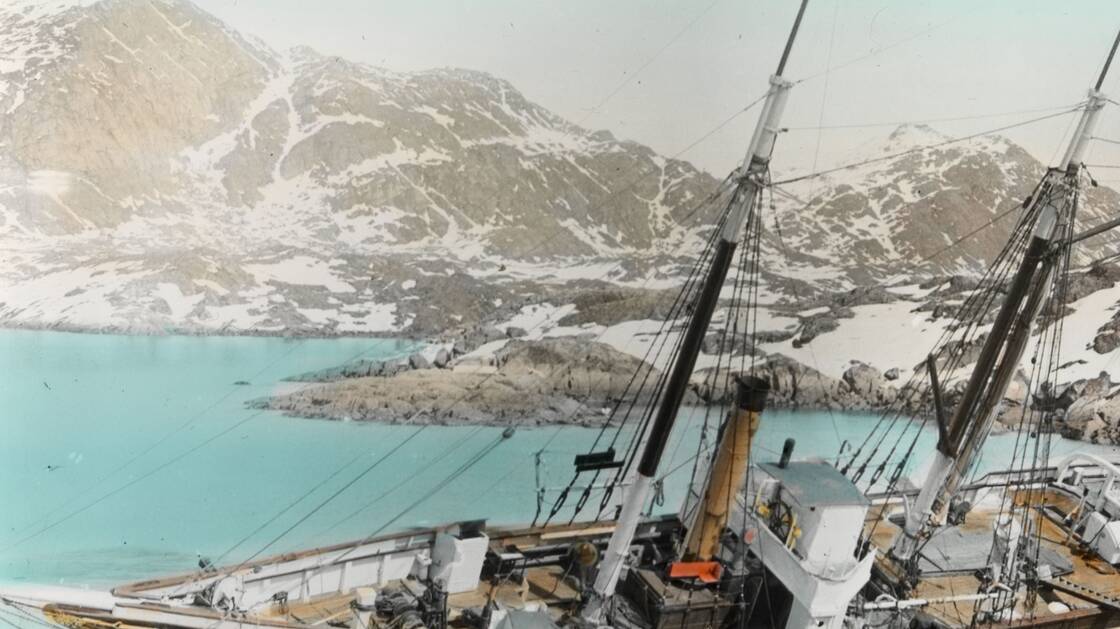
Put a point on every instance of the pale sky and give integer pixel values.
(691, 64)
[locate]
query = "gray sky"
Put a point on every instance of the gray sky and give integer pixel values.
(691, 64)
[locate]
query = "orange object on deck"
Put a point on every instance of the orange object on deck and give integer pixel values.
(706, 571)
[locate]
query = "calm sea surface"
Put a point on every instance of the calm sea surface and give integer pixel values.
(127, 457)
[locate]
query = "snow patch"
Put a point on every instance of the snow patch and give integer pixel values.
(303, 270)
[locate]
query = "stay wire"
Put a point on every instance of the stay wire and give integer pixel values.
(450, 478)
(920, 149)
(896, 475)
(963, 313)
(633, 75)
(163, 439)
(871, 125)
(636, 438)
(679, 301)
(132, 482)
(702, 445)
(190, 421)
(20, 611)
(654, 397)
(881, 49)
(676, 350)
(405, 483)
(464, 397)
(986, 295)
(971, 328)
(682, 298)
(1023, 228)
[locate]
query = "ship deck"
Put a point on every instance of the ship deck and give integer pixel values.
(533, 582)
(1087, 585)
(545, 584)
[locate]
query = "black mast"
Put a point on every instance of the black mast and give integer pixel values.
(705, 306)
(1051, 211)
(739, 213)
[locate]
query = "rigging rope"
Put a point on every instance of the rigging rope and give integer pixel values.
(539, 245)
(468, 395)
(972, 313)
(132, 482)
(633, 75)
(679, 304)
(876, 51)
(870, 125)
(968, 311)
(919, 149)
(190, 421)
(447, 480)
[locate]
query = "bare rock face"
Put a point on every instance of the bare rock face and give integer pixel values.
(356, 369)
(730, 344)
(418, 361)
(611, 305)
(442, 359)
(862, 378)
(1099, 387)
(158, 104)
(815, 326)
(794, 385)
(1108, 337)
(1093, 410)
(863, 296)
(574, 366)
(904, 212)
(1098, 277)
(1094, 420)
(159, 172)
(477, 337)
(135, 84)
(196, 180)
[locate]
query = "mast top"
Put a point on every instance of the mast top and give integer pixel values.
(1104, 70)
(797, 25)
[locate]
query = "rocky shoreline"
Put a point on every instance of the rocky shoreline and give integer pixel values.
(576, 381)
(566, 380)
(546, 382)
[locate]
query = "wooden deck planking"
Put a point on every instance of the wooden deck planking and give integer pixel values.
(1089, 572)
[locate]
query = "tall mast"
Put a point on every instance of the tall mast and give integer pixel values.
(755, 165)
(965, 433)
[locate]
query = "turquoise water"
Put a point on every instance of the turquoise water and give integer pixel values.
(127, 457)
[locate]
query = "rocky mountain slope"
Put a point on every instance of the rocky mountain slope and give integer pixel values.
(158, 170)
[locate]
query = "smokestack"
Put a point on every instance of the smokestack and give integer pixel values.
(728, 470)
(751, 392)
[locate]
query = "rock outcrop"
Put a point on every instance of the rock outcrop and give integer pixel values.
(550, 381)
(1091, 410)
(794, 385)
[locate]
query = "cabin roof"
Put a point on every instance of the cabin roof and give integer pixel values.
(814, 483)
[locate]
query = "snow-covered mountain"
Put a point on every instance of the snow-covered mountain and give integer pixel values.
(160, 171)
